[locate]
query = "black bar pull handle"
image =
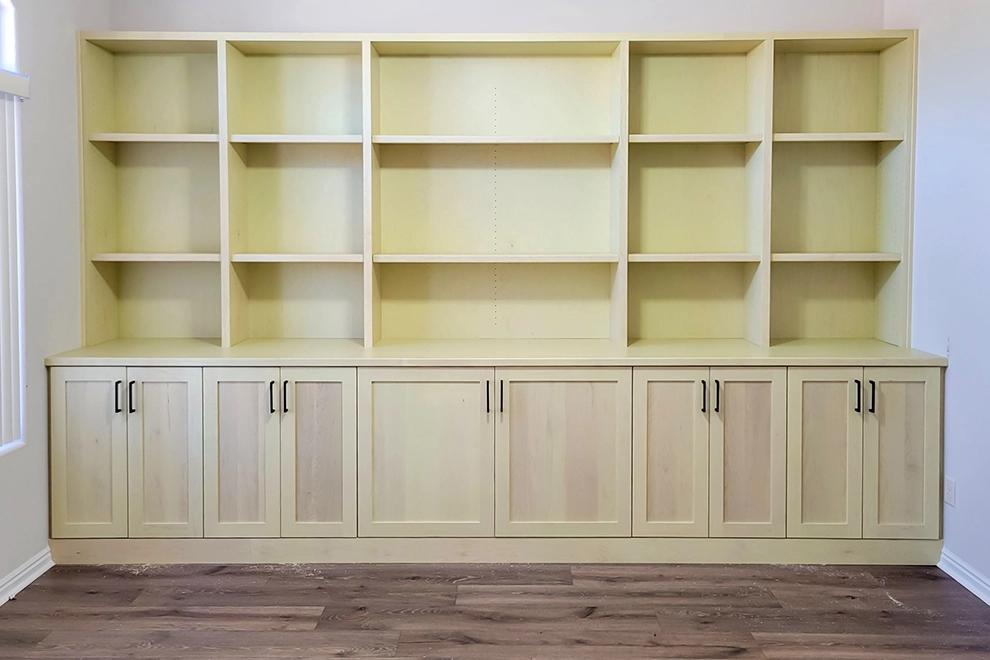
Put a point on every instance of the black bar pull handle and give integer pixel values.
(704, 396)
(859, 396)
(873, 396)
(718, 396)
(501, 396)
(285, 396)
(271, 396)
(488, 397)
(130, 397)
(116, 396)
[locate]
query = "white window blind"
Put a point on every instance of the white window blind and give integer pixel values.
(13, 90)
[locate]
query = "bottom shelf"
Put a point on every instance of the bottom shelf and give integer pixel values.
(838, 300)
(495, 301)
(695, 300)
(297, 300)
(153, 299)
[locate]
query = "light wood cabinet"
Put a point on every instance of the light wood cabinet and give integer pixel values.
(694, 217)
(425, 452)
(165, 452)
(825, 453)
(241, 452)
(88, 452)
(562, 452)
(748, 453)
(319, 452)
(902, 453)
(670, 452)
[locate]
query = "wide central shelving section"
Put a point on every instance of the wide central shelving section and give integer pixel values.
(496, 170)
(751, 189)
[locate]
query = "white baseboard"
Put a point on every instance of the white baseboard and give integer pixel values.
(28, 572)
(966, 575)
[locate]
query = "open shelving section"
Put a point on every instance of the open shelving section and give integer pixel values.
(497, 172)
(843, 120)
(636, 192)
(151, 175)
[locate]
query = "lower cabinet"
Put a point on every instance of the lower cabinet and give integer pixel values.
(165, 452)
(710, 452)
(864, 453)
(902, 453)
(88, 452)
(562, 452)
(825, 453)
(241, 452)
(319, 452)
(748, 453)
(425, 452)
(670, 452)
(126, 452)
(815, 453)
(279, 452)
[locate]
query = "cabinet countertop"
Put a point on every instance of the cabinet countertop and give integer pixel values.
(493, 352)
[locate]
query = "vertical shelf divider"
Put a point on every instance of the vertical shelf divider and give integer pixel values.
(759, 330)
(369, 160)
(227, 330)
(619, 317)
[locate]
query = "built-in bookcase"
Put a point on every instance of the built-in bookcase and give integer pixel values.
(748, 189)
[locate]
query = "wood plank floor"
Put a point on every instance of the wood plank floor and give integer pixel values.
(495, 611)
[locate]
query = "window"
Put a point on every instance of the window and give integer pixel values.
(13, 90)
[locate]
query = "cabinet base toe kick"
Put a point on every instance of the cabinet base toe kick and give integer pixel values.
(496, 550)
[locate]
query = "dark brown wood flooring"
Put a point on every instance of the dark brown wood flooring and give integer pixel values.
(494, 611)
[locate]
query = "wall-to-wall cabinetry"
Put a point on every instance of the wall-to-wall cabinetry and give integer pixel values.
(614, 297)
(460, 452)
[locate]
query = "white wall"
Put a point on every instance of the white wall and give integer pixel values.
(500, 16)
(46, 38)
(952, 245)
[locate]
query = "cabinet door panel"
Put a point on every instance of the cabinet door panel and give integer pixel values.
(748, 453)
(670, 452)
(902, 454)
(88, 452)
(563, 452)
(165, 453)
(825, 453)
(319, 452)
(241, 452)
(425, 452)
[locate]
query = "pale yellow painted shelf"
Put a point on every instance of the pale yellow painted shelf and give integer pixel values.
(494, 258)
(154, 137)
(822, 257)
(838, 137)
(505, 352)
(147, 257)
(692, 138)
(286, 258)
(495, 139)
(710, 257)
(289, 138)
